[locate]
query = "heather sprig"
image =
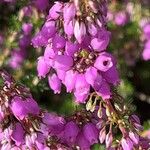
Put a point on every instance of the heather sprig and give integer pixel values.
(116, 115)
(23, 124)
(76, 38)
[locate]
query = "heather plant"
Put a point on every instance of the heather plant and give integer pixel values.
(85, 48)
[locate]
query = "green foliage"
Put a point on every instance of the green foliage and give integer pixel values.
(98, 147)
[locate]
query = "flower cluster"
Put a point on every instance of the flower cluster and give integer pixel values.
(114, 115)
(76, 39)
(24, 125)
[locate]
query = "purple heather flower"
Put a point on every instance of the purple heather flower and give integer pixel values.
(39, 40)
(61, 74)
(146, 51)
(103, 62)
(111, 76)
(101, 42)
(52, 119)
(69, 28)
(55, 123)
(127, 144)
(49, 55)
(91, 75)
(104, 90)
(82, 142)
(27, 28)
(54, 83)
(17, 58)
(91, 133)
(63, 62)
(146, 30)
(146, 54)
(70, 132)
(22, 108)
(147, 44)
(81, 88)
(79, 31)
(121, 18)
(70, 76)
(18, 108)
(110, 16)
(75, 48)
(55, 10)
(31, 106)
(69, 12)
(18, 134)
(67, 68)
(58, 42)
(48, 30)
(42, 67)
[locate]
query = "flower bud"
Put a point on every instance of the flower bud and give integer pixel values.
(55, 10)
(54, 83)
(109, 139)
(69, 12)
(70, 76)
(42, 67)
(79, 31)
(102, 135)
